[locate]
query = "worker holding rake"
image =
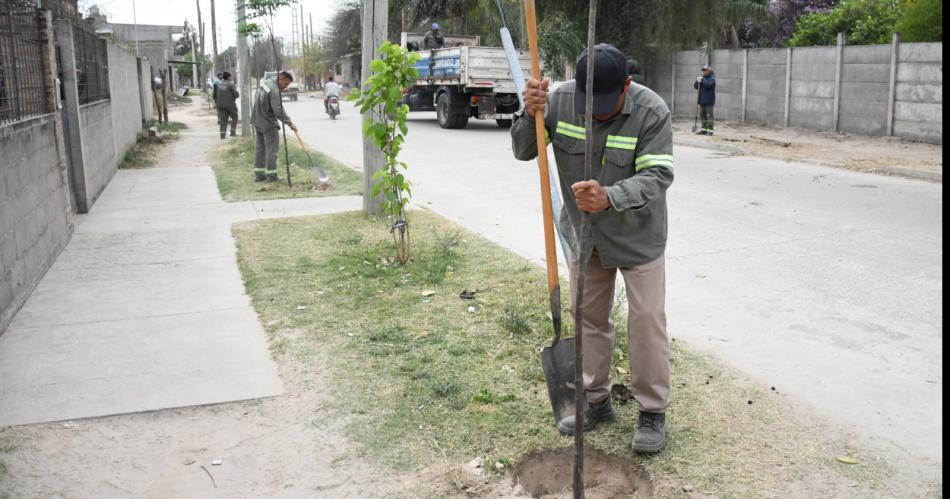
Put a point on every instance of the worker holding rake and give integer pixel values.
(626, 200)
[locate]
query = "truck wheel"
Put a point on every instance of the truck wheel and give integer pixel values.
(442, 111)
(503, 123)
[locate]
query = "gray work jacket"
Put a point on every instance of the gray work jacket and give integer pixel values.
(225, 95)
(267, 108)
(633, 161)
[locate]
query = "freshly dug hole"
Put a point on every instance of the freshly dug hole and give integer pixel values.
(550, 474)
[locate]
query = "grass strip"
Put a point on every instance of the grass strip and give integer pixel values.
(234, 169)
(142, 154)
(423, 376)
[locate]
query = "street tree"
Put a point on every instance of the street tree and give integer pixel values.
(382, 95)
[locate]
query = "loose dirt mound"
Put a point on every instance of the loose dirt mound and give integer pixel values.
(550, 474)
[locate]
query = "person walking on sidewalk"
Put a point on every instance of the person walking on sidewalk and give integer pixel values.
(706, 84)
(633, 147)
(225, 98)
(265, 113)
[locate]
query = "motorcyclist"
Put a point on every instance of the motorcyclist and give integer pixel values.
(331, 89)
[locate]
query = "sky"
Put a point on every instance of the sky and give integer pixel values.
(174, 12)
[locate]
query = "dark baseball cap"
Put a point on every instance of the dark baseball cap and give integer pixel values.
(610, 75)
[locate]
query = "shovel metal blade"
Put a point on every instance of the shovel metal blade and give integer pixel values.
(319, 175)
(558, 364)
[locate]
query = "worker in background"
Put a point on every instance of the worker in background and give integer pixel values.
(633, 147)
(225, 99)
(433, 39)
(706, 84)
(265, 113)
(633, 69)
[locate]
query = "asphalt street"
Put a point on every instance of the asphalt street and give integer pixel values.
(823, 283)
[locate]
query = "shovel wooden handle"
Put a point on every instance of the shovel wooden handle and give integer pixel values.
(547, 212)
(302, 145)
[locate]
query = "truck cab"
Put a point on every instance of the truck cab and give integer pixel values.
(463, 80)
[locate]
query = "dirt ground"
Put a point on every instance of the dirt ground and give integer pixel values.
(882, 155)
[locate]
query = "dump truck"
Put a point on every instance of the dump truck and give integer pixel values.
(464, 80)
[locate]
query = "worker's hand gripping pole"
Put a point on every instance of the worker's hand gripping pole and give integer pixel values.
(554, 284)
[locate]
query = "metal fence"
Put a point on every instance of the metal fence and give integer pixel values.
(92, 68)
(24, 85)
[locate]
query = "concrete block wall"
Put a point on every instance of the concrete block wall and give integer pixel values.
(688, 65)
(98, 147)
(918, 107)
(865, 80)
(727, 64)
(657, 74)
(812, 90)
(765, 88)
(35, 218)
(109, 128)
(863, 100)
(145, 91)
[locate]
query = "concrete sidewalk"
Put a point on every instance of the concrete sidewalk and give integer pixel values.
(145, 309)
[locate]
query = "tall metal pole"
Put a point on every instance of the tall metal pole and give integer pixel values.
(244, 74)
(580, 393)
(375, 19)
(214, 38)
(135, 25)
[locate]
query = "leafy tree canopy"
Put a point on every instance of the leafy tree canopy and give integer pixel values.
(864, 22)
(922, 21)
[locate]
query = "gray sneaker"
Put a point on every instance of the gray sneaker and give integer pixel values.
(595, 413)
(650, 436)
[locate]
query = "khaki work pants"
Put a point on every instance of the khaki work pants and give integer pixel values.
(706, 116)
(646, 331)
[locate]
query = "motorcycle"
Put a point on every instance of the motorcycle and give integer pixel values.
(333, 107)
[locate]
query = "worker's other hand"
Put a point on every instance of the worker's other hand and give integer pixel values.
(293, 127)
(535, 96)
(591, 196)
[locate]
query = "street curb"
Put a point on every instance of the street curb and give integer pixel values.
(707, 145)
(897, 171)
(904, 171)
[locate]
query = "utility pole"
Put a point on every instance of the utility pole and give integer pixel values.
(375, 20)
(303, 48)
(199, 81)
(135, 25)
(196, 67)
(214, 38)
(244, 77)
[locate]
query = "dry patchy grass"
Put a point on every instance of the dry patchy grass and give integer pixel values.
(234, 168)
(424, 381)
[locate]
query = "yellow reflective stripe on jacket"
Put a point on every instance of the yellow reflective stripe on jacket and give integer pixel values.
(571, 130)
(618, 142)
(651, 160)
(265, 87)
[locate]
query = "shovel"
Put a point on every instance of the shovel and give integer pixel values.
(556, 360)
(696, 117)
(319, 175)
